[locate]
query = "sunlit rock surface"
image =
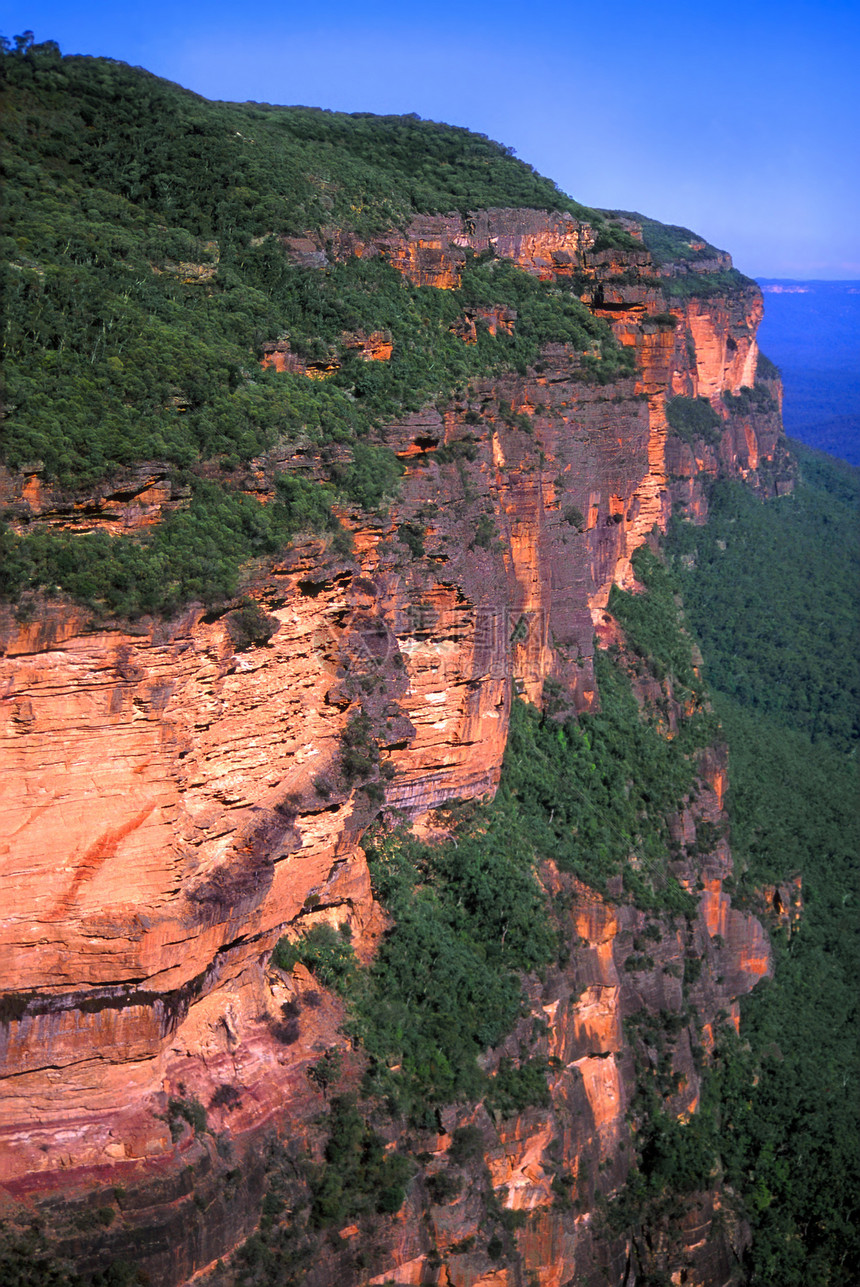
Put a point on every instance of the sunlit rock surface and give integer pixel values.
(171, 805)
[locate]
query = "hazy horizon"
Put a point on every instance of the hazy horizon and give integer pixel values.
(811, 330)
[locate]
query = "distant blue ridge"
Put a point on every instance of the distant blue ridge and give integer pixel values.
(811, 330)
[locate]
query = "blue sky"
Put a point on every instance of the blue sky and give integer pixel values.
(741, 122)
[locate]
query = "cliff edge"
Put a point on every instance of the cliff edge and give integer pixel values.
(180, 792)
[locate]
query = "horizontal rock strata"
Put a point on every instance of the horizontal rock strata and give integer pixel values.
(171, 806)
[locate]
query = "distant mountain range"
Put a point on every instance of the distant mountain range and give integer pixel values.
(811, 330)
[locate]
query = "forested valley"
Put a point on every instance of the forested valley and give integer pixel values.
(771, 592)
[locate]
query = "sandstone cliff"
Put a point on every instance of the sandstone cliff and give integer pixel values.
(173, 804)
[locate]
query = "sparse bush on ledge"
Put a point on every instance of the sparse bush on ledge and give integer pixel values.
(694, 418)
(189, 1110)
(326, 952)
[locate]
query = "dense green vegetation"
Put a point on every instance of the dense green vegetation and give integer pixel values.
(750, 400)
(701, 284)
(253, 168)
(356, 1175)
(776, 1118)
(444, 986)
(28, 1259)
(136, 304)
(653, 628)
(194, 554)
(671, 244)
(595, 794)
(692, 418)
(691, 256)
(772, 591)
(325, 951)
(767, 590)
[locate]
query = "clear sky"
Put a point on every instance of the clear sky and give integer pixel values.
(739, 121)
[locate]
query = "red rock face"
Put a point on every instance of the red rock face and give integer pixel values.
(172, 806)
(726, 351)
(373, 347)
(493, 319)
(784, 903)
(432, 250)
(137, 498)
